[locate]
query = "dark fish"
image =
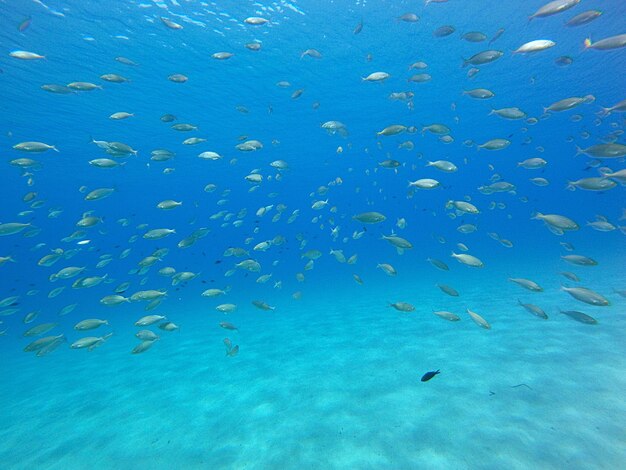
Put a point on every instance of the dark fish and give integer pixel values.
(228, 326)
(448, 290)
(483, 57)
(563, 61)
(429, 375)
(358, 28)
(444, 31)
(438, 264)
(580, 316)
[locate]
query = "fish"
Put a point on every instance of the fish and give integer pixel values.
(376, 77)
(256, 21)
(474, 36)
(143, 346)
(583, 18)
(90, 342)
(527, 284)
(34, 147)
(369, 217)
(261, 305)
(448, 290)
(537, 311)
(482, 58)
(535, 46)
(447, 315)
(149, 320)
(479, 320)
(606, 44)
(26, 55)
(90, 324)
(579, 317)
(468, 260)
(579, 260)
(146, 335)
(170, 24)
(39, 329)
(44, 342)
(558, 224)
(398, 242)
(228, 326)
(611, 150)
(553, 7)
(438, 264)
(402, 306)
(387, 269)
(409, 18)
(587, 296)
(424, 183)
(429, 375)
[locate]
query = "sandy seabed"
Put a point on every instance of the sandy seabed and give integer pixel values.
(333, 381)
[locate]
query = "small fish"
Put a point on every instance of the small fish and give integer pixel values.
(24, 24)
(580, 317)
(429, 375)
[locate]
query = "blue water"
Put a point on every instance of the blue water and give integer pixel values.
(330, 377)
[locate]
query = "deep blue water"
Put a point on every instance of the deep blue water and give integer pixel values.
(313, 383)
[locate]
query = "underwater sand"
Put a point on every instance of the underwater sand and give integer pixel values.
(333, 381)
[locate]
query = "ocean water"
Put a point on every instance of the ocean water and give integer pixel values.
(328, 374)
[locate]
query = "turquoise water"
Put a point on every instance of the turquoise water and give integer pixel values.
(329, 376)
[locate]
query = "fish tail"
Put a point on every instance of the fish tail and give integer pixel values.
(587, 43)
(570, 186)
(579, 151)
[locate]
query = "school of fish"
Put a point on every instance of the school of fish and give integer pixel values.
(152, 291)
